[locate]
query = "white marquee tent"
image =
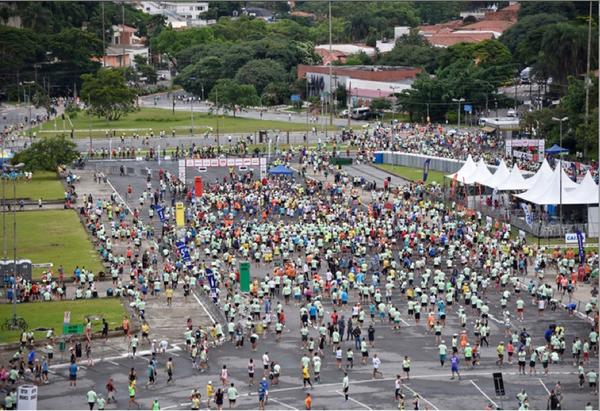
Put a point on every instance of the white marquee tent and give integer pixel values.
(498, 177)
(514, 182)
(465, 171)
(548, 191)
(585, 193)
(543, 174)
(481, 174)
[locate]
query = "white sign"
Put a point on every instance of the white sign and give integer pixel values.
(571, 238)
(27, 397)
(67, 317)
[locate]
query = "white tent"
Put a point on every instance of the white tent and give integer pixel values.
(465, 171)
(585, 193)
(548, 191)
(498, 177)
(514, 181)
(543, 174)
(481, 174)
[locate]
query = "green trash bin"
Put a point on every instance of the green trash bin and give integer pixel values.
(61, 346)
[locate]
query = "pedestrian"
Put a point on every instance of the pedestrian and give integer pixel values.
(306, 377)
(250, 372)
(442, 350)
(91, 398)
(308, 401)
(398, 387)
(224, 376)
(232, 395)
(376, 364)
(73, 374)
(110, 391)
(132, 401)
(169, 368)
(454, 366)
(345, 386)
(406, 366)
(219, 398)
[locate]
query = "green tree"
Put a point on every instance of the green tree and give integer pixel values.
(380, 104)
(275, 93)
(107, 94)
(261, 72)
(47, 154)
(149, 72)
(170, 41)
(201, 76)
(227, 93)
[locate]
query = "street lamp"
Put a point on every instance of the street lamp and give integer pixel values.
(13, 168)
(560, 121)
(460, 100)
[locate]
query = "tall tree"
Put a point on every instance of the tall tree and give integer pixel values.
(47, 154)
(227, 93)
(108, 94)
(261, 72)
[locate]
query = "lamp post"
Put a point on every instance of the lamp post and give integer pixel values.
(560, 171)
(460, 100)
(13, 168)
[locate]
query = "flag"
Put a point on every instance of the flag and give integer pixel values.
(580, 244)
(184, 252)
(426, 169)
(161, 213)
(528, 215)
(453, 185)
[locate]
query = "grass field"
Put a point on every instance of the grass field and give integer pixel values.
(44, 185)
(412, 174)
(52, 236)
(157, 119)
(50, 315)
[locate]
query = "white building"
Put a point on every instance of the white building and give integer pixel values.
(179, 14)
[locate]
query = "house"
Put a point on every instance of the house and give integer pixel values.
(179, 14)
(340, 52)
(124, 46)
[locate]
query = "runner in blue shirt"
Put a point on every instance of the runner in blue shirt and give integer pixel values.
(454, 364)
(73, 374)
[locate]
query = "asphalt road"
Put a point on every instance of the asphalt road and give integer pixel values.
(428, 378)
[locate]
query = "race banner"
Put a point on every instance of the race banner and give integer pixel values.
(426, 169)
(528, 215)
(160, 212)
(580, 244)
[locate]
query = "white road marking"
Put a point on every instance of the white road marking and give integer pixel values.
(356, 401)
(404, 322)
(282, 404)
(423, 398)
(484, 394)
(170, 406)
(112, 362)
(204, 308)
(544, 385)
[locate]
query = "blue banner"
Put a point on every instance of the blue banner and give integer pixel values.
(468, 108)
(161, 213)
(210, 276)
(528, 215)
(580, 244)
(426, 169)
(184, 252)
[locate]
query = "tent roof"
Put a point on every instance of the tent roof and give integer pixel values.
(514, 181)
(465, 171)
(281, 170)
(498, 177)
(585, 193)
(549, 191)
(480, 175)
(556, 149)
(543, 174)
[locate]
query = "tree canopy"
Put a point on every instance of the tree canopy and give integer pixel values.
(108, 94)
(47, 154)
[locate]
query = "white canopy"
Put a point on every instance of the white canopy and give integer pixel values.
(514, 181)
(480, 175)
(549, 191)
(498, 177)
(585, 193)
(543, 174)
(465, 171)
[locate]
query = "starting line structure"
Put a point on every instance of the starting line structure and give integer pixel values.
(222, 162)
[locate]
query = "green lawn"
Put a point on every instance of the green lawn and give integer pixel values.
(412, 174)
(52, 236)
(51, 314)
(162, 119)
(44, 185)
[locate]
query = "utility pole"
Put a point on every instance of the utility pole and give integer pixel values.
(587, 72)
(560, 168)
(122, 34)
(103, 37)
(330, 73)
(307, 110)
(217, 104)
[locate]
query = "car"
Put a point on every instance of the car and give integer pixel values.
(162, 77)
